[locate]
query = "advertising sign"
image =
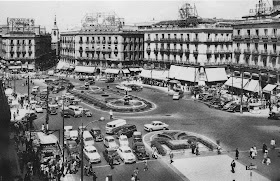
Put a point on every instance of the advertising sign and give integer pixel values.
(20, 24)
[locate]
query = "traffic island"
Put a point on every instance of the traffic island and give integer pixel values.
(108, 99)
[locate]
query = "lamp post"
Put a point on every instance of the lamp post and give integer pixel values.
(63, 129)
(82, 147)
(241, 100)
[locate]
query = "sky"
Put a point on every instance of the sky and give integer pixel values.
(70, 13)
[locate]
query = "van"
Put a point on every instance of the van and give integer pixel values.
(49, 145)
(35, 89)
(75, 111)
(88, 139)
(114, 124)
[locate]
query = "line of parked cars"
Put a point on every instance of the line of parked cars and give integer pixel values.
(222, 104)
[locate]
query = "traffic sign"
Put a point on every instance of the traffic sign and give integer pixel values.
(251, 167)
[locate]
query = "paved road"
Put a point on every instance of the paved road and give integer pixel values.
(234, 131)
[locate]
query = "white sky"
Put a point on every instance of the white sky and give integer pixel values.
(70, 13)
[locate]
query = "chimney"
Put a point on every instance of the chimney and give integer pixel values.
(276, 4)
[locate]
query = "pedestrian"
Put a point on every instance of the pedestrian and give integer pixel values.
(171, 157)
(264, 147)
(251, 152)
(14, 115)
(193, 148)
(132, 178)
(236, 154)
(111, 114)
(255, 150)
(17, 111)
(232, 166)
(136, 172)
(145, 165)
(43, 127)
(94, 177)
(272, 143)
(196, 150)
(268, 161)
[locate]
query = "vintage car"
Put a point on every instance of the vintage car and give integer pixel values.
(96, 134)
(140, 152)
(72, 147)
(92, 155)
(136, 137)
(123, 140)
(156, 125)
(274, 115)
(110, 152)
(126, 154)
(87, 113)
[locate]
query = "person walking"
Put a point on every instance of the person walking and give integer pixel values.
(272, 143)
(251, 152)
(255, 150)
(111, 114)
(233, 166)
(236, 154)
(94, 177)
(268, 161)
(136, 172)
(196, 150)
(145, 165)
(264, 147)
(171, 155)
(132, 178)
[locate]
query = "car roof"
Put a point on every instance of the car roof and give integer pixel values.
(109, 137)
(125, 148)
(90, 147)
(123, 136)
(68, 127)
(157, 122)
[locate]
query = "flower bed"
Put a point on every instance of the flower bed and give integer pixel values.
(159, 147)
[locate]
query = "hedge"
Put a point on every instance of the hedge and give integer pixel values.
(159, 147)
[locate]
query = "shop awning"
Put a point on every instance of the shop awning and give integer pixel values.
(255, 75)
(18, 62)
(14, 67)
(84, 69)
(236, 82)
(134, 70)
(174, 82)
(183, 73)
(247, 73)
(269, 87)
(125, 71)
(159, 75)
(30, 66)
(216, 74)
(62, 65)
(146, 73)
(112, 71)
(253, 86)
(230, 81)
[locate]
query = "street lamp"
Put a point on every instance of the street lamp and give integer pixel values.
(82, 147)
(63, 129)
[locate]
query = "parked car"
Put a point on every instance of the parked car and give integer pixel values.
(52, 111)
(87, 113)
(110, 80)
(91, 154)
(274, 115)
(123, 87)
(72, 147)
(140, 151)
(82, 78)
(176, 96)
(127, 129)
(110, 152)
(74, 135)
(227, 105)
(126, 154)
(156, 125)
(96, 134)
(66, 113)
(123, 140)
(137, 137)
(135, 87)
(236, 108)
(38, 109)
(109, 142)
(67, 130)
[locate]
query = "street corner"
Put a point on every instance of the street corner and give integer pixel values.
(215, 168)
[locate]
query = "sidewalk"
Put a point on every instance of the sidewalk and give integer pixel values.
(214, 168)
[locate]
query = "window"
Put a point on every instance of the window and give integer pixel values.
(149, 36)
(54, 33)
(181, 36)
(23, 41)
(18, 42)
(274, 47)
(87, 39)
(248, 32)
(257, 32)
(274, 32)
(188, 36)
(238, 45)
(209, 35)
(162, 36)
(248, 45)
(175, 36)
(156, 36)
(168, 36)
(196, 47)
(265, 46)
(81, 38)
(256, 46)
(196, 35)
(238, 32)
(265, 32)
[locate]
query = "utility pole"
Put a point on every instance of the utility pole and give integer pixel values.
(82, 154)
(231, 84)
(14, 83)
(63, 129)
(47, 115)
(241, 100)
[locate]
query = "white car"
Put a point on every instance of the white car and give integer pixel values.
(73, 134)
(91, 154)
(176, 96)
(81, 108)
(53, 105)
(38, 109)
(123, 140)
(123, 87)
(67, 130)
(126, 154)
(109, 142)
(156, 125)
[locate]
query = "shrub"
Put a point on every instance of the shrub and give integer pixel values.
(206, 143)
(177, 146)
(159, 147)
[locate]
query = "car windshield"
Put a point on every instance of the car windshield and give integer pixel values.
(96, 132)
(91, 151)
(72, 145)
(88, 139)
(127, 151)
(111, 140)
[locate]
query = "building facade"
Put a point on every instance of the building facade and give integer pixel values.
(24, 45)
(103, 42)
(200, 45)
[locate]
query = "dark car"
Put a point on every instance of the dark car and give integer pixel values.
(111, 152)
(96, 134)
(127, 130)
(236, 108)
(72, 147)
(140, 151)
(137, 137)
(30, 116)
(109, 80)
(91, 82)
(66, 113)
(208, 98)
(82, 78)
(135, 87)
(274, 115)
(52, 111)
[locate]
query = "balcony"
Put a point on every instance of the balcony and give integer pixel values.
(156, 40)
(265, 38)
(81, 49)
(195, 52)
(274, 53)
(216, 52)
(97, 41)
(116, 42)
(273, 38)
(237, 37)
(255, 37)
(131, 41)
(80, 42)
(92, 41)
(87, 42)
(156, 50)
(12, 44)
(195, 39)
(148, 50)
(255, 52)
(115, 50)
(264, 52)
(187, 51)
(103, 41)
(148, 40)
(29, 44)
(237, 51)
(208, 52)
(179, 40)
(29, 51)
(109, 42)
(187, 39)
(180, 51)
(107, 50)
(247, 51)
(98, 50)
(89, 50)
(209, 40)
(246, 37)
(161, 50)
(173, 51)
